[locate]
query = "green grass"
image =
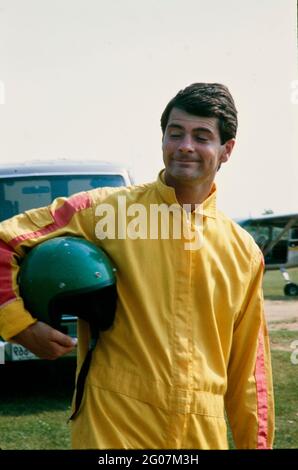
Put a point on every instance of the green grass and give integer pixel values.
(35, 404)
(286, 400)
(285, 376)
(274, 284)
(35, 400)
(283, 338)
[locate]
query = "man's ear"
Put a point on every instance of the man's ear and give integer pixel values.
(227, 150)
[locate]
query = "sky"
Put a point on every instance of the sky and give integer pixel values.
(89, 79)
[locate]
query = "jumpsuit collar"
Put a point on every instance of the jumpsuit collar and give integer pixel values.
(167, 193)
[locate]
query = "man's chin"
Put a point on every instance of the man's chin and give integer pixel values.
(186, 176)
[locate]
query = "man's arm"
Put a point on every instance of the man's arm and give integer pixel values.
(45, 341)
(65, 216)
(249, 398)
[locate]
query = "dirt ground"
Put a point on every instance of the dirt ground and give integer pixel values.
(279, 310)
(281, 315)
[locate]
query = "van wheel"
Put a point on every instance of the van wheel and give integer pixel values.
(291, 289)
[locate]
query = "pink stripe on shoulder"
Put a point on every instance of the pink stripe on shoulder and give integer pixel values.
(61, 216)
(6, 257)
(260, 376)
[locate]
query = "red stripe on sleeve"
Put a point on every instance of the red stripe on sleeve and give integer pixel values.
(61, 216)
(6, 258)
(260, 376)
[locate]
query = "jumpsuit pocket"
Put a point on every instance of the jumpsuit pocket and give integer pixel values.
(208, 404)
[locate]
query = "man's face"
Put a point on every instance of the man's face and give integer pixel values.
(192, 151)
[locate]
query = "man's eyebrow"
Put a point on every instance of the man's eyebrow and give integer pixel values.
(200, 128)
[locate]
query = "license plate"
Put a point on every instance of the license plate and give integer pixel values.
(19, 353)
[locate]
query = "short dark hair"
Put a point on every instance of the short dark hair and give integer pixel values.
(206, 100)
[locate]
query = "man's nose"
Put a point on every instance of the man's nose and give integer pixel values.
(186, 145)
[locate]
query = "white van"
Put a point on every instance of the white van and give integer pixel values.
(30, 185)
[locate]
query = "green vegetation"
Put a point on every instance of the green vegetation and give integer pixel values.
(35, 404)
(282, 339)
(286, 399)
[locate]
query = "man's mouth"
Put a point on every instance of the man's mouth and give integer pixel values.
(184, 160)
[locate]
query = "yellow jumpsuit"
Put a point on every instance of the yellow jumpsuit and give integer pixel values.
(189, 346)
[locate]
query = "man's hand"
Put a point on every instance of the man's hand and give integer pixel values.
(45, 341)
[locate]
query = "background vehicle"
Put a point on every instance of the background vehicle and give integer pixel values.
(30, 185)
(277, 236)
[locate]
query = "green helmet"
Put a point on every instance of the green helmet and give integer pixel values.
(69, 275)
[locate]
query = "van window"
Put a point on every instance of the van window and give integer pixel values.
(294, 233)
(18, 194)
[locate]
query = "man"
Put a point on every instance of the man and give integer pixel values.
(189, 340)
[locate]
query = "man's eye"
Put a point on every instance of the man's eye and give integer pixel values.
(175, 135)
(201, 139)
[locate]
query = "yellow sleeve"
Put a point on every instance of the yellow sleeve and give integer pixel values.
(65, 216)
(249, 398)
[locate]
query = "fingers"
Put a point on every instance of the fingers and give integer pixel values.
(58, 344)
(55, 350)
(61, 344)
(63, 340)
(45, 341)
